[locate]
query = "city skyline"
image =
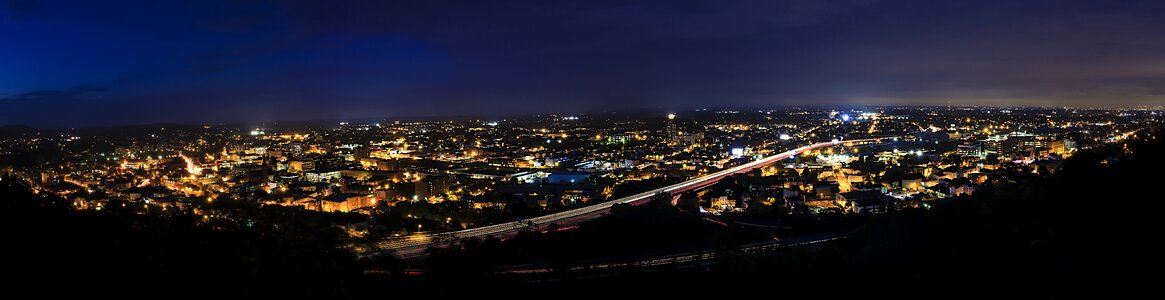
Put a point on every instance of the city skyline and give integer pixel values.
(504, 205)
(101, 64)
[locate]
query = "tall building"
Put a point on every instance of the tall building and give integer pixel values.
(689, 138)
(1056, 147)
(296, 149)
(432, 186)
(1020, 143)
(672, 132)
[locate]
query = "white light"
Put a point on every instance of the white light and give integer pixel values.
(671, 116)
(836, 140)
(845, 118)
(785, 137)
(737, 152)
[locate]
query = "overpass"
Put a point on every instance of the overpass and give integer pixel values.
(414, 245)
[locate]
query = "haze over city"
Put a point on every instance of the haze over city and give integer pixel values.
(138, 62)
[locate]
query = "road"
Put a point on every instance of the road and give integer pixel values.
(415, 245)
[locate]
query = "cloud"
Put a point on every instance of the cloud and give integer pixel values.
(77, 106)
(80, 92)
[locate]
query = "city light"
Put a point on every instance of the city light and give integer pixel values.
(191, 167)
(965, 141)
(737, 152)
(427, 181)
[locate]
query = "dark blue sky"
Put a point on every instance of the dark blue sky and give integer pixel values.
(80, 63)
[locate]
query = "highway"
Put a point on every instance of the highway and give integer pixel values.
(415, 245)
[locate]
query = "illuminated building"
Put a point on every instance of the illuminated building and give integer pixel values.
(864, 201)
(567, 177)
(433, 187)
(322, 176)
(971, 150)
(346, 202)
(300, 166)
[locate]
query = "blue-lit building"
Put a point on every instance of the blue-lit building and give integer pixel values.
(568, 177)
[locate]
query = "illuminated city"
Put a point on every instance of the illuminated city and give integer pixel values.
(379, 164)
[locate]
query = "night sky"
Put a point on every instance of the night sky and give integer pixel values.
(84, 63)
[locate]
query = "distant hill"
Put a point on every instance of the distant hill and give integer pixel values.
(15, 131)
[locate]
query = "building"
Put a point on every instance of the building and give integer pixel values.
(346, 202)
(565, 193)
(689, 138)
(967, 188)
(970, 150)
(932, 137)
(1020, 142)
(792, 197)
(361, 152)
(499, 173)
(724, 203)
(568, 177)
(433, 187)
(322, 176)
(672, 133)
(864, 201)
(620, 138)
(300, 166)
(825, 189)
(913, 184)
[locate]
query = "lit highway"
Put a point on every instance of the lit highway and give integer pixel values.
(414, 245)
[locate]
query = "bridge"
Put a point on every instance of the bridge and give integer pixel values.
(415, 245)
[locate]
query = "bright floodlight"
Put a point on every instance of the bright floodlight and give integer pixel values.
(785, 137)
(671, 116)
(836, 140)
(845, 118)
